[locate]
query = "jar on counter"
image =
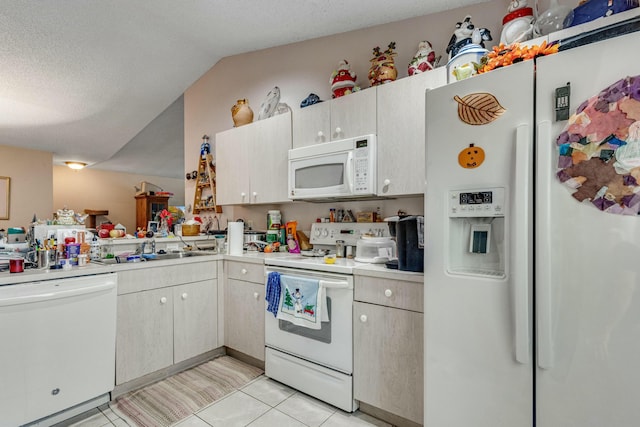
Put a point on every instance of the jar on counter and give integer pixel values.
(339, 248)
(274, 220)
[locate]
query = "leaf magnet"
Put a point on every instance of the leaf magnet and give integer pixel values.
(471, 157)
(478, 108)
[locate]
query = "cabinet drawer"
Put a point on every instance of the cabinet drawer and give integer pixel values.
(391, 293)
(245, 271)
(151, 277)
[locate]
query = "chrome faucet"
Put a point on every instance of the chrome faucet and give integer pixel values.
(144, 245)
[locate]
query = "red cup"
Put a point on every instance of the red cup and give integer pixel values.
(16, 265)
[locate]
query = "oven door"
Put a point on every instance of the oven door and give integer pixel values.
(330, 346)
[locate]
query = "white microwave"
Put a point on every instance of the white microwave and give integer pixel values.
(343, 169)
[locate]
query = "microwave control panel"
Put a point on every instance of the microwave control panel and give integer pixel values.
(326, 233)
(363, 160)
(486, 202)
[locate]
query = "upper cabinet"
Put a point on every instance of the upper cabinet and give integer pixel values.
(345, 117)
(251, 162)
(401, 132)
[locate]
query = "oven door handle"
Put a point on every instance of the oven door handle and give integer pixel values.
(327, 284)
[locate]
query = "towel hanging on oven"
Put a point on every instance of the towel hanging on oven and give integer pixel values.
(301, 301)
(272, 294)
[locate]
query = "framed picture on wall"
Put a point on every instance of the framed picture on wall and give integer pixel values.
(152, 226)
(5, 188)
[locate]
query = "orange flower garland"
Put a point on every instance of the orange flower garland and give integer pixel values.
(502, 55)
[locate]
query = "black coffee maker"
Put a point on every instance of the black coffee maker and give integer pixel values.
(408, 231)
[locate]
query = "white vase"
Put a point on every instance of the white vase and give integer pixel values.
(552, 19)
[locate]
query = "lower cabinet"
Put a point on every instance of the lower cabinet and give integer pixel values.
(167, 324)
(245, 308)
(388, 365)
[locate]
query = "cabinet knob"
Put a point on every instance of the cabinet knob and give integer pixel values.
(388, 293)
(320, 134)
(386, 182)
(255, 194)
(243, 195)
(256, 295)
(243, 271)
(163, 300)
(338, 130)
(184, 296)
(363, 318)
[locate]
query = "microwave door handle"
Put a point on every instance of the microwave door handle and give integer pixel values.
(349, 171)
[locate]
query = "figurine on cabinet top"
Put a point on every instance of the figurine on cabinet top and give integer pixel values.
(383, 67)
(423, 60)
(205, 147)
(343, 80)
(465, 34)
(517, 24)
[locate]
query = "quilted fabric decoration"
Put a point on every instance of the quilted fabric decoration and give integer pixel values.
(599, 149)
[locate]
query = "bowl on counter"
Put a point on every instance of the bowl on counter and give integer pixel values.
(190, 229)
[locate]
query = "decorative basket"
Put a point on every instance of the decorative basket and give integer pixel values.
(190, 229)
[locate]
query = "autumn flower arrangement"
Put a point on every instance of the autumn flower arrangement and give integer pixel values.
(502, 56)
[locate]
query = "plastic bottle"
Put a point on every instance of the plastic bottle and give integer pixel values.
(332, 215)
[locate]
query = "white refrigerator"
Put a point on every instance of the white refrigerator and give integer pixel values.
(532, 308)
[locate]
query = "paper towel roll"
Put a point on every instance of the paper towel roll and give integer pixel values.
(236, 237)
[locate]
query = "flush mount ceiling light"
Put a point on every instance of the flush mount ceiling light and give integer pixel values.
(76, 165)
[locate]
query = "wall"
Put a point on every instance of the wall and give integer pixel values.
(31, 182)
(302, 68)
(105, 190)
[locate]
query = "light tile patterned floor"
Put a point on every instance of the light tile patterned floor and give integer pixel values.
(261, 403)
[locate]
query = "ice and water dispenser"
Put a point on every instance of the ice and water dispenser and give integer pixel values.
(476, 229)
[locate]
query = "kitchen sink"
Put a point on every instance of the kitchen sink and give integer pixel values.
(171, 255)
(149, 257)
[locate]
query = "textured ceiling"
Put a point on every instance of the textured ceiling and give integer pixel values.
(85, 78)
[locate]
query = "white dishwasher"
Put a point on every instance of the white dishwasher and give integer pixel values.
(57, 341)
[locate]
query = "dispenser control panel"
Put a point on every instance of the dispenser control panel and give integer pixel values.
(486, 202)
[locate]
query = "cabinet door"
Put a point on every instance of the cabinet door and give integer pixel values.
(388, 359)
(401, 133)
(312, 124)
(232, 174)
(244, 317)
(268, 160)
(354, 114)
(195, 319)
(144, 338)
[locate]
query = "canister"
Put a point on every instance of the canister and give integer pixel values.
(16, 265)
(339, 248)
(73, 250)
(274, 219)
(273, 235)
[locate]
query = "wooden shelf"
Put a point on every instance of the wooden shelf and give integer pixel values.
(206, 173)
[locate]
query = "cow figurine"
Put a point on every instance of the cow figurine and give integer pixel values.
(465, 34)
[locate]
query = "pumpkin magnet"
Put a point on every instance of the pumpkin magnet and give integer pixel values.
(471, 157)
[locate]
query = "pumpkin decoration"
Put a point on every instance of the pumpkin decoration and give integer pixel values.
(471, 157)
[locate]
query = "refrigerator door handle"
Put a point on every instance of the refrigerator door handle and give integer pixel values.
(543, 246)
(521, 241)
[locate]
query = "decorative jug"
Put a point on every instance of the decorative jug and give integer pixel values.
(241, 113)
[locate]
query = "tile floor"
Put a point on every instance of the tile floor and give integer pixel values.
(261, 403)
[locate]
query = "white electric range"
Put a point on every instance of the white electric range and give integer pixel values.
(319, 362)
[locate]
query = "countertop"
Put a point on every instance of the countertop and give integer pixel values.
(36, 275)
